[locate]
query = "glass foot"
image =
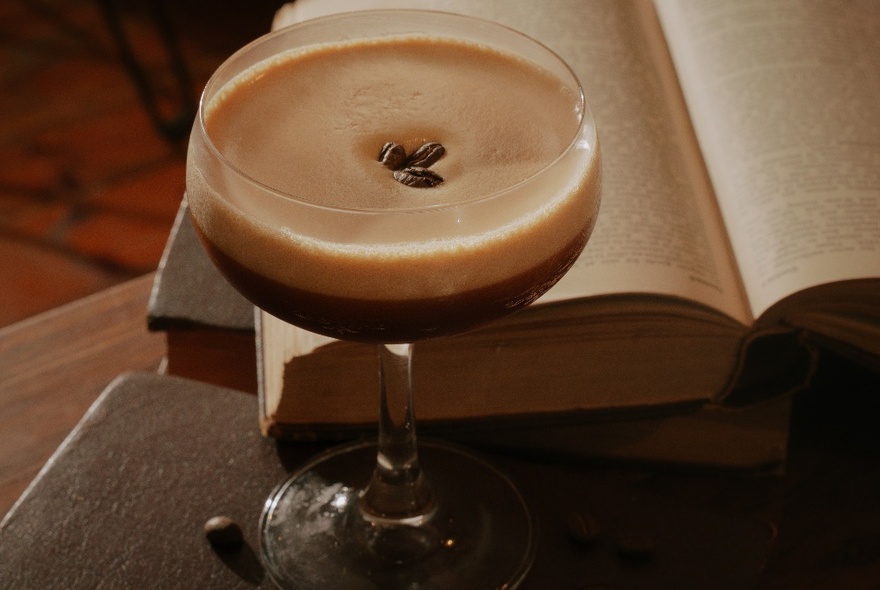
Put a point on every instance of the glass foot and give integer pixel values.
(313, 534)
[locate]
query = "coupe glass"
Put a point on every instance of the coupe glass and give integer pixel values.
(389, 513)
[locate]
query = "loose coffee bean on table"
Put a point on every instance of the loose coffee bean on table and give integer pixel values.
(636, 545)
(223, 532)
(583, 528)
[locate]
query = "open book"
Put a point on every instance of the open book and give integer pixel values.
(740, 228)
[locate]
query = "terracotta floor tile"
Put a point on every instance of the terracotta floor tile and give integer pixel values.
(11, 202)
(34, 279)
(25, 170)
(131, 244)
(88, 187)
(105, 145)
(153, 194)
(38, 221)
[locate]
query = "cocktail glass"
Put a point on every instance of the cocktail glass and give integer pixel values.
(392, 513)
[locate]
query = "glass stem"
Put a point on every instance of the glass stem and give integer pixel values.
(398, 493)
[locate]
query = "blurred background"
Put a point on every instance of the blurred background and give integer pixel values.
(95, 109)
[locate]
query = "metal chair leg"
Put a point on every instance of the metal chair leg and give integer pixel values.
(172, 126)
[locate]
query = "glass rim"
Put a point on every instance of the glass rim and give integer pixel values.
(582, 105)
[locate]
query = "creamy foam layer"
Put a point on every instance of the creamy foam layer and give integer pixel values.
(311, 123)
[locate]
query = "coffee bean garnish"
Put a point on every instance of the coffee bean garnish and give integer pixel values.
(223, 532)
(583, 528)
(417, 177)
(413, 170)
(426, 155)
(392, 155)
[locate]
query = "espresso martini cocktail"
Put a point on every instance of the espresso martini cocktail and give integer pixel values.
(361, 255)
(390, 177)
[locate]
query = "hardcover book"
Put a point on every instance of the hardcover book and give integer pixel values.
(124, 501)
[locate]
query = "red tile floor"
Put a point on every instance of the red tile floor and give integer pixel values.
(88, 185)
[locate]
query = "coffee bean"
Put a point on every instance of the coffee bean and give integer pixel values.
(426, 155)
(223, 532)
(583, 528)
(417, 177)
(392, 155)
(636, 545)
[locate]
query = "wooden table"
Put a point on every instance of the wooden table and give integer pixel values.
(823, 513)
(54, 365)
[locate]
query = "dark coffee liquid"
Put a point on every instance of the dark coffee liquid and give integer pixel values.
(394, 321)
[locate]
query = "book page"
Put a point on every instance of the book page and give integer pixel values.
(785, 99)
(659, 230)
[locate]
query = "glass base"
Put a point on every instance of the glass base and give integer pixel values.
(313, 534)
